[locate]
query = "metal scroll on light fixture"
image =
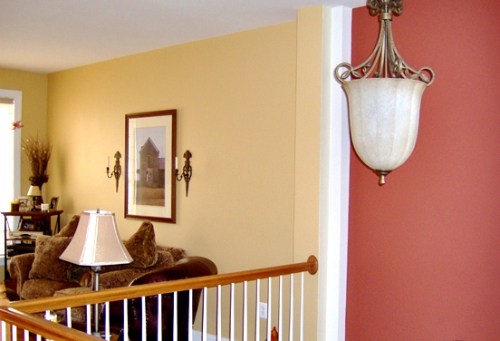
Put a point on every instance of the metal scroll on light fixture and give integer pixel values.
(384, 109)
(187, 170)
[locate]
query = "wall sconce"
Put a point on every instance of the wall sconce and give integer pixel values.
(117, 169)
(187, 171)
(384, 109)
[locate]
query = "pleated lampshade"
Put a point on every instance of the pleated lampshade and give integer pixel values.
(96, 241)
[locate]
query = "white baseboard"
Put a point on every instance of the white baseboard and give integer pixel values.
(197, 337)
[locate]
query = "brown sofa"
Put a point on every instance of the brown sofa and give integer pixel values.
(42, 273)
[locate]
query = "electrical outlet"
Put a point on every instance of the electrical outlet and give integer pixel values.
(263, 310)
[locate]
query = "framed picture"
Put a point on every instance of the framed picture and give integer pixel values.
(25, 204)
(150, 150)
(53, 203)
(27, 225)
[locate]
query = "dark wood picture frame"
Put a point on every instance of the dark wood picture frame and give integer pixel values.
(53, 203)
(150, 151)
(28, 225)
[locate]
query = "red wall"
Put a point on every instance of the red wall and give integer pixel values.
(424, 250)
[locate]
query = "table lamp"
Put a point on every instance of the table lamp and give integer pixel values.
(96, 243)
(34, 192)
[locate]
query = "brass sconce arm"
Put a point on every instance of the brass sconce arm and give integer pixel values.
(117, 169)
(187, 170)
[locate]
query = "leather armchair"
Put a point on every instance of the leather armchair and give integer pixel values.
(188, 267)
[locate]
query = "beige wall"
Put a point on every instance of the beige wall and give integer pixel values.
(255, 154)
(235, 97)
(34, 109)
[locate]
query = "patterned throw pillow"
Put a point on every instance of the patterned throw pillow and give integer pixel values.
(70, 228)
(47, 264)
(142, 247)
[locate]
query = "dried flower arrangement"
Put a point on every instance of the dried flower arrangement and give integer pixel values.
(38, 151)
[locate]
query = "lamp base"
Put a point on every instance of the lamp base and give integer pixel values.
(96, 270)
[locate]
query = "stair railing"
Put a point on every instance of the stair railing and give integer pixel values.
(23, 317)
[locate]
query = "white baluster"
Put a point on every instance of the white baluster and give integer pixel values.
(143, 322)
(190, 316)
(159, 334)
(68, 317)
(302, 307)
(291, 308)
(219, 314)
(231, 313)
(204, 315)
(280, 308)
(107, 329)
(174, 321)
(257, 318)
(245, 311)
(88, 311)
(269, 300)
(125, 320)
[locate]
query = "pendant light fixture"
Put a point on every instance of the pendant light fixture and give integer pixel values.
(384, 95)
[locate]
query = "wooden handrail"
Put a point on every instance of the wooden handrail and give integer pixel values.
(39, 326)
(118, 294)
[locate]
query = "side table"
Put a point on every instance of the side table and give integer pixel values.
(25, 243)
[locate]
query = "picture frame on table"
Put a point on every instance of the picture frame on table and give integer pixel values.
(25, 204)
(150, 151)
(53, 203)
(27, 225)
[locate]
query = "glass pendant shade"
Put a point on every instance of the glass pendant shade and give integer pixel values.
(384, 116)
(384, 95)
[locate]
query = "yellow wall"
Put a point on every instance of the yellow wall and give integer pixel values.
(34, 109)
(235, 97)
(255, 143)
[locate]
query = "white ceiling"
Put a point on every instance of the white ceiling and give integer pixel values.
(52, 35)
